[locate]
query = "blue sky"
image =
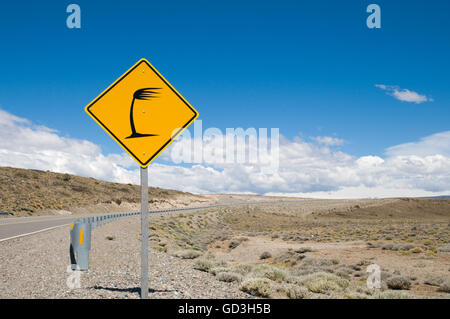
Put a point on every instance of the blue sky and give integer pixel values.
(307, 67)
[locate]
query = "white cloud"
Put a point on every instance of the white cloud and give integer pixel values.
(329, 141)
(23, 144)
(430, 145)
(404, 95)
(306, 169)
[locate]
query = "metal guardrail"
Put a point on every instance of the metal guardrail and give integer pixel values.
(80, 233)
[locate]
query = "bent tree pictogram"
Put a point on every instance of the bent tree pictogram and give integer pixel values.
(141, 94)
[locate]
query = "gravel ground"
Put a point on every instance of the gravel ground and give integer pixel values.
(36, 267)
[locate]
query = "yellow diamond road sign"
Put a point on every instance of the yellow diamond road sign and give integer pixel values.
(142, 112)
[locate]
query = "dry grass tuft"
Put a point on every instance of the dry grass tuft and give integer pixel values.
(259, 287)
(229, 277)
(187, 254)
(269, 272)
(399, 283)
(294, 291)
(323, 282)
(204, 264)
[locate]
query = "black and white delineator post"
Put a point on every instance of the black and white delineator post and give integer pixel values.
(144, 233)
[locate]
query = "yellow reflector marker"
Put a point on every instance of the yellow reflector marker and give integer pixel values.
(81, 236)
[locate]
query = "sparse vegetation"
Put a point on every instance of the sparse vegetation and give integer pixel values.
(265, 255)
(203, 264)
(217, 270)
(260, 287)
(236, 242)
(187, 254)
(32, 192)
(229, 277)
(399, 283)
(323, 282)
(269, 272)
(303, 250)
(294, 291)
(445, 248)
(444, 286)
(391, 294)
(296, 269)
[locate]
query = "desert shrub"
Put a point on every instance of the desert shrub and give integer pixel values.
(385, 275)
(303, 250)
(229, 277)
(319, 262)
(242, 269)
(291, 257)
(416, 250)
(187, 254)
(445, 285)
(434, 281)
(216, 270)
(391, 294)
(407, 247)
(428, 242)
(404, 253)
(203, 264)
(399, 283)
(269, 272)
(371, 245)
(162, 243)
(296, 280)
(294, 291)
(323, 282)
(308, 270)
(355, 295)
(161, 249)
(236, 242)
(445, 248)
(110, 237)
(363, 262)
(356, 267)
(388, 246)
(265, 255)
(260, 287)
(209, 256)
(344, 272)
(81, 189)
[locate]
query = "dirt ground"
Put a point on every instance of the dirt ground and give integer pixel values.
(406, 238)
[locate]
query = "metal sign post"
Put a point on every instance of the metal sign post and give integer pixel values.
(144, 233)
(144, 114)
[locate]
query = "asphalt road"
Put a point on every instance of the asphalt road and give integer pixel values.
(21, 226)
(16, 227)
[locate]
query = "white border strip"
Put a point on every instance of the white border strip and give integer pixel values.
(35, 232)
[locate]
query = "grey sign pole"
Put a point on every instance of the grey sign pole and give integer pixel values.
(144, 233)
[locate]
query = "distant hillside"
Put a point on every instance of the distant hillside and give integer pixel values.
(401, 208)
(25, 192)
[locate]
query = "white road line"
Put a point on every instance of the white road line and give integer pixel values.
(35, 232)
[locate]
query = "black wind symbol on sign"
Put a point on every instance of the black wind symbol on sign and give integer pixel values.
(141, 94)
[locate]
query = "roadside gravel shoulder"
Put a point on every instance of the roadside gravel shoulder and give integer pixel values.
(36, 266)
